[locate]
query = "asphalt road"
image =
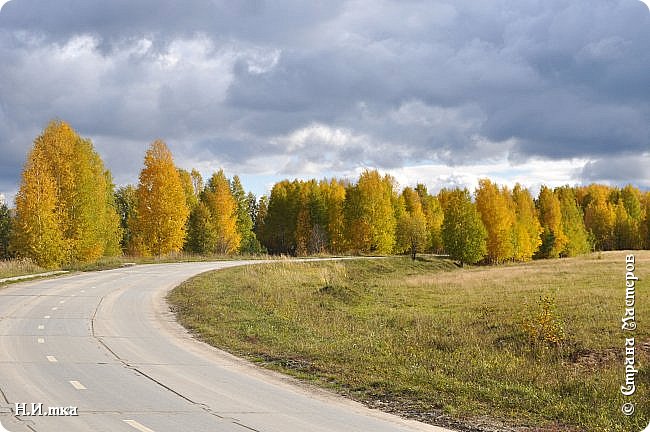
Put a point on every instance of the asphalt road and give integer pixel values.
(106, 343)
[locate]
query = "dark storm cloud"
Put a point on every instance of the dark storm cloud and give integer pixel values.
(116, 20)
(619, 171)
(335, 85)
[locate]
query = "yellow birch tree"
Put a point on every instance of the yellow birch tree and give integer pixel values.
(498, 215)
(223, 214)
(527, 229)
(159, 224)
(37, 233)
(550, 216)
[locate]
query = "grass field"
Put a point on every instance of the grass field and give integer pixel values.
(441, 344)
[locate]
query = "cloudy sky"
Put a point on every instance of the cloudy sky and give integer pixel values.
(440, 92)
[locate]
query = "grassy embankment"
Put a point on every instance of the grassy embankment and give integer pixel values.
(430, 341)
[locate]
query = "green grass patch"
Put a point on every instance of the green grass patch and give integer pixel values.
(434, 342)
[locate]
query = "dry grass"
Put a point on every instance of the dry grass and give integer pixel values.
(18, 267)
(434, 342)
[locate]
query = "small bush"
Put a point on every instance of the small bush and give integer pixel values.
(544, 325)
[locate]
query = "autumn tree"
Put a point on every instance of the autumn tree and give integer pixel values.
(624, 229)
(600, 216)
(201, 234)
(412, 234)
(223, 213)
(191, 196)
(497, 212)
(628, 230)
(126, 204)
(333, 193)
(357, 226)
(573, 225)
(248, 242)
(433, 215)
(527, 229)
(303, 223)
(554, 240)
(37, 230)
(83, 196)
(369, 214)
(159, 224)
(311, 219)
(279, 223)
(644, 228)
(463, 232)
(318, 238)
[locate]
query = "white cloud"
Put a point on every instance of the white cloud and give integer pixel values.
(531, 174)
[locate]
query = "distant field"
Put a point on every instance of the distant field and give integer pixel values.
(430, 341)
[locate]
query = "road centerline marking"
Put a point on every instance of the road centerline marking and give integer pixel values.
(51, 359)
(78, 385)
(134, 424)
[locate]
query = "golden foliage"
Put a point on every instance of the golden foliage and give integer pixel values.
(82, 196)
(223, 214)
(369, 214)
(497, 212)
(527, 228)
(37, 230)
(554, 240)
(159, 225)
(544, 325)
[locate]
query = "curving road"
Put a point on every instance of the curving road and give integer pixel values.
(106, 343)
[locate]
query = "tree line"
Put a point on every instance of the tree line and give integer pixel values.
(67, 211)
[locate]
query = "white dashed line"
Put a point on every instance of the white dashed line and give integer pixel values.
(54, 308)
(46, 317)
(135, 425)
(83, 291)
(41, 327)
(61, 301)
(41, 340)
(51, 359)
(77, 385)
